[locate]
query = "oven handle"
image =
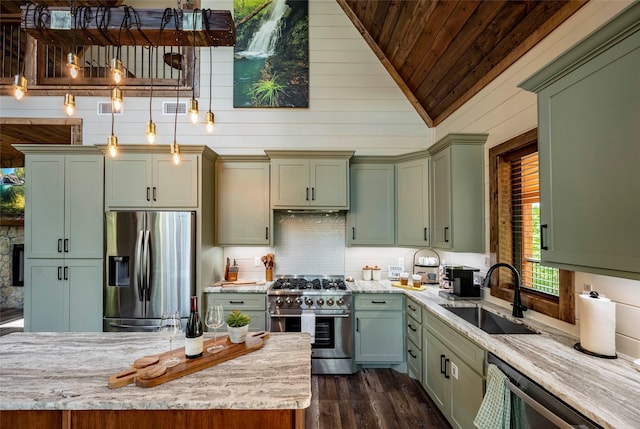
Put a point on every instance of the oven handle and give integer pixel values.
(538, 406)
(317, 315)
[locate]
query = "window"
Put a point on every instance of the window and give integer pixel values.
(515, 230)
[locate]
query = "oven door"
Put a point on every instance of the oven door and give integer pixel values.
(333, 338)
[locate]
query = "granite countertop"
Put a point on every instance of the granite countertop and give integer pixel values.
(606, 391)
(69, 371)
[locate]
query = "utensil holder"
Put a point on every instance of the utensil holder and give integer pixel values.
(268, 274)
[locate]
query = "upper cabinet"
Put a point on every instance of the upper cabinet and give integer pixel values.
(457, 183)
(146, 180)
(309, 179)
(243, 214)
(588, 143)
(371, 217)
(412, 195)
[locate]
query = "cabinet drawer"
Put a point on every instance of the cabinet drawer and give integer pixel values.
(414, 360)
(414, 332)
(379, 301)
(239, 301)
(414, 310)
(466, 350)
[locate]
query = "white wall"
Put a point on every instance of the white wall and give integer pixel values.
(504, 111)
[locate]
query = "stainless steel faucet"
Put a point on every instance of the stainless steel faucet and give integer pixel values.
(518, 308)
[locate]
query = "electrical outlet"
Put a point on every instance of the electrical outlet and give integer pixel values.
(454, 370)
(256, 261)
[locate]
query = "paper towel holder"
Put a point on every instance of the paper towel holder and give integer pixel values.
(578, 347)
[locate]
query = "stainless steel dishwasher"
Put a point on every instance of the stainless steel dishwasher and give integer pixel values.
(540, 409)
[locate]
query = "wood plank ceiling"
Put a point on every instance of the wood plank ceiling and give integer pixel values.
(442, 52)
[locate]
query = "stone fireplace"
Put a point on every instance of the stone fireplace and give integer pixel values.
(11, 292)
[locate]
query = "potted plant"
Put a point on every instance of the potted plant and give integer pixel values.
(238, 326)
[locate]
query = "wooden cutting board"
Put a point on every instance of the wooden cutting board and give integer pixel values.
(156, 374)
(239, 283)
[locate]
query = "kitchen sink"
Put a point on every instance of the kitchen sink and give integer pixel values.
(489, 322)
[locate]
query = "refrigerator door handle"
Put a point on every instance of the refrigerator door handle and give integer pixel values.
(138, 273)
(147, 266)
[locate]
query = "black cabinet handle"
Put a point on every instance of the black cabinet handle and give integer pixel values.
(307, 195)
(66, 273)
(412, 328)
(59, 245)
(411, 353)
(66, 245)
(543, 229)
(446, 230)
(148, 196)
(426, 238)
(410, 307)
(442, 364)
(236, 302)
(378, 302)
(59, 273)
(313, 194)
(445, 368)
(357, 324)
(353, 232)
(155, 194)
(266, 233)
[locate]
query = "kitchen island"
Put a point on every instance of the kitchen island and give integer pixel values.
(59, 380)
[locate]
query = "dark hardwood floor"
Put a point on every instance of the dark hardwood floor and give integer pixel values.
(371, 399)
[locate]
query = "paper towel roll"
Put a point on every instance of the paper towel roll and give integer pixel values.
(598, 325)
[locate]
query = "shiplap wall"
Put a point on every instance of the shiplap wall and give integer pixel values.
(354, 104)
(504, 111)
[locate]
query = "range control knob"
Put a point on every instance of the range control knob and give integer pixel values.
(330, 301)
(308, 301)
(278, 302)
(340, 301)
(288, 301)
(320, 301)
(298, 301)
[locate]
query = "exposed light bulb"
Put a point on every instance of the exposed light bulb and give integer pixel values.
(175, 152)
(210, 121)
(116, 99)
(193, 110)
(151, 132)
(19, 86)
(72, 65)
(69, 104)
(112, 144)
(117, 72)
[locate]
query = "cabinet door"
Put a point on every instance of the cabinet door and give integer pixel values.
(290, 183)
(128, 180)
(84, 212)
(412, 215)
(379, 337)
(175, 186)
(84, 283)
(46, 292)
(371, 217)
(44, 216)
(329, 183)
(467, 391)
(242, 203)
(441, 202)
(434, 371)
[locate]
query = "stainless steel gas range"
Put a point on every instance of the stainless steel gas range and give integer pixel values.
(322, 306)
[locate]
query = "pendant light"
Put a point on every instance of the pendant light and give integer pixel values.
(150, 128)
(193, 103)
(19, 86)
(117, 71)
(69, 104)
(175, 147)
(112, 140)
(72, 65)
(209, 117)
(116, 99)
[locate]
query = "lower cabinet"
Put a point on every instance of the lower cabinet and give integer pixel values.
(453, 372)
(65, 295)
(252, 304)
(379, 329)
(414, 339)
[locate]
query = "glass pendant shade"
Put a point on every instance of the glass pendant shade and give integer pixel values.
(117, 72)
(112, 145)
(151, 132)
(72, 65)
(193, 110)
(175, 152)
(210, 121)
(19, 86)
(116, 99)
(69, 104)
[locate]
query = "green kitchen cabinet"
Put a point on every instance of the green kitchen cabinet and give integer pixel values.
(371, 217)
(243, 214)
(379, 329)
(63, 295)
(453, 371)
(412, 197)
(151, 180)
(589, 151)
(252, 304)
(318, 180)
(457, 183)
(415, 347)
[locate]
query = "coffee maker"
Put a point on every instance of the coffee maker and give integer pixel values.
(461, 280)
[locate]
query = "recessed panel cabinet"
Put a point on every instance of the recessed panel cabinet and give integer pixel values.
(589, 149)
(412, 194)
(379, 328)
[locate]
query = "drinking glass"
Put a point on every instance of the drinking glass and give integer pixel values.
(171, 327)
(214, 319)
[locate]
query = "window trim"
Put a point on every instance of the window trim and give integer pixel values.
(562, 307)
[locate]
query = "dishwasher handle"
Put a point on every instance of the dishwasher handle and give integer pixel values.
(541, 409)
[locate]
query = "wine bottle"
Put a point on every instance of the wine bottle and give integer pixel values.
(194, 333)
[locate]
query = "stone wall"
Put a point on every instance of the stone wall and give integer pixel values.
(10, 296)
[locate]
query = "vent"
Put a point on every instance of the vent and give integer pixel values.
(169, 108)
(104, 108)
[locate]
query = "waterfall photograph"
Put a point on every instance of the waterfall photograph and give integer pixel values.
(271, 56)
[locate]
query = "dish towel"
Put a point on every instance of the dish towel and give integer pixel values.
(495, 410)
(308, 324)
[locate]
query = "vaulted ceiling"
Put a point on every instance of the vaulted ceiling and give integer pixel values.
(442, 52)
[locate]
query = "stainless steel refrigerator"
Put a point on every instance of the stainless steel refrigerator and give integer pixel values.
(150, 267)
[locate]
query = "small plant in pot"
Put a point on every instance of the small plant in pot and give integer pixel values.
(238, 326)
